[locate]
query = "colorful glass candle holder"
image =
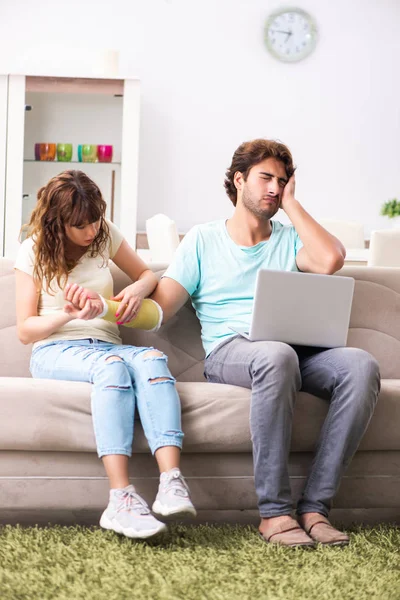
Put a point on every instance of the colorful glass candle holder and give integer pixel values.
(47, 151)
(37, 151)
(64, 152)
(104, 153)
(89, 152)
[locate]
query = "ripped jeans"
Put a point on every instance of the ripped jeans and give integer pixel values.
(123, 378)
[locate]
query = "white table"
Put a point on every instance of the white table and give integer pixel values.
(356, 257)
(146, 256)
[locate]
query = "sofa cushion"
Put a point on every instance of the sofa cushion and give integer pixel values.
(48, 415)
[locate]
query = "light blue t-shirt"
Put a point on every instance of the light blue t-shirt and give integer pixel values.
(220, 276)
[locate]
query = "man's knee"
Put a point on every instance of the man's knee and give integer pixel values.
(276, 355)
(278, 361)
(359, 372)
(359, 364)
(368, 363)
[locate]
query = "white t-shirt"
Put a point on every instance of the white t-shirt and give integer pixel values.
(92, 273)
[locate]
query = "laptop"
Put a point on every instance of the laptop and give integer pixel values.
(301, 309)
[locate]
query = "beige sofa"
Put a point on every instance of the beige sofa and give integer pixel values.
(49, 470)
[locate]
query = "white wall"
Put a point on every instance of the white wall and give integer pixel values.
(208, 84)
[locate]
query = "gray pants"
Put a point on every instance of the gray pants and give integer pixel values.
(347, 377)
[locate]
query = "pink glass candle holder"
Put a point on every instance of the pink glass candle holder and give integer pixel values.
(104, 153)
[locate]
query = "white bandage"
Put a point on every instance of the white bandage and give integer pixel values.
(160, 316)
(105, 308)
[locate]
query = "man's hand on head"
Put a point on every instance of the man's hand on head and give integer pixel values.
(288, 194)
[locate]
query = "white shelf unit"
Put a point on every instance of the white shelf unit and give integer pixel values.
(3, 151)
(67, 110)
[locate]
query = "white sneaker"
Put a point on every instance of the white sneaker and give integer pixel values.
(173, 496)
(129, 514)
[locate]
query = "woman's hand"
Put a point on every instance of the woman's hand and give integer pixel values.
(89, 311)
(131, 299)
(78, 298)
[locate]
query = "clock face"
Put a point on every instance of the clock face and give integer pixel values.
(290, 34)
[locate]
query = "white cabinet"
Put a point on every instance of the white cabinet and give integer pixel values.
(67, 110)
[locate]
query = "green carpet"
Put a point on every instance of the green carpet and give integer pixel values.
(193, 563)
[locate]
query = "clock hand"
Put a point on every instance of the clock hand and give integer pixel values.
(280, 31)
(288, 33)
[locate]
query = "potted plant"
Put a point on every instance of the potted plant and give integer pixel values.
(391, 209)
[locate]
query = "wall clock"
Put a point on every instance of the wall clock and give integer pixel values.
(290, 34)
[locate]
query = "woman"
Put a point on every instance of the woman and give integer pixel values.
(70, 242)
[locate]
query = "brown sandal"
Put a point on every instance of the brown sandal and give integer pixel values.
(327, 534)
(292, 535)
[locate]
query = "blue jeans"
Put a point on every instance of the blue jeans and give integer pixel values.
(119, 386)
(347, 378)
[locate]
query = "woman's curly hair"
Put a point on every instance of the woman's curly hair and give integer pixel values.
(70, 198)
(252, 153)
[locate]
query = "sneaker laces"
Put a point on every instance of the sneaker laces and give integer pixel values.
(176, 483)
(131, 501)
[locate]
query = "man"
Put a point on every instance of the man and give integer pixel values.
(216, 264)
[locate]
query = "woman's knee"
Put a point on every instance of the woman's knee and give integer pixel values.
(113, 373)
(156, 367)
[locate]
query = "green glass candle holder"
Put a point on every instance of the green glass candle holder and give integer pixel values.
(64, 152)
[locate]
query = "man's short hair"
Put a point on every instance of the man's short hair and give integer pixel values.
(252, 153)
